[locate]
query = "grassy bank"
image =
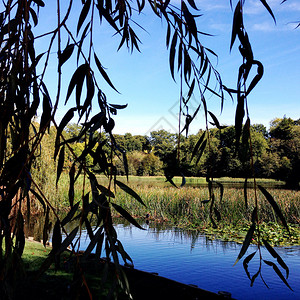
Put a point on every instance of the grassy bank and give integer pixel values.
(58, 283)
(61, 283)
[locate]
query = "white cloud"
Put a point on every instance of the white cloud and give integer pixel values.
(291, 6)
(264, 26)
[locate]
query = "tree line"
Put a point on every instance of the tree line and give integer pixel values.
(275, 152)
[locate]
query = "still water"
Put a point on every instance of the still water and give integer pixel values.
(192, 258)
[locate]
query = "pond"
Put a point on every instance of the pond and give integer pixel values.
(192, 258)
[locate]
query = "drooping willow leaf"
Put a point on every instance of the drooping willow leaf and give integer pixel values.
(126, 215)
(39, 198)
(198, 144)
(257, 78)
(66, 54)
(39, 2)
(68, 240)
(245, 193)
(123, 253)
(46, 227)
(56, 237)
(47, 109)
(278, 272)
(83, 14)
(70, 214)
(239, 116)
(246, 262)
(71, 193)
(275, 206)
(277, 256)
(246, 242)
(103, 73)
(77, 80)
(172, 54)
(201, 150)
(216, 121)
(129, 191)
(169, 178)
(118, 106)
(237, 23)
(97, 237)
(266, 5)
(60, 164)
(192, 4)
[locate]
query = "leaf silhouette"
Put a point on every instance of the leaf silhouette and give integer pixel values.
(64, 122)
(245, 193)
(129, 191)
(70, 214)
(97, 237)
(277, 256)
(168, 35)
(169, 178)
(123, 253)
(60, 164)
(265, 4)
(46, 227)
(237, 23)
(239, 116)
(246, 242)
(83, 14)
(254, 277)
(257, 78)
(183, 181)
(117, 106)
(277, 271)
(105, 191)
(190, 20)
(192, 4)
(275, 206)
(198, 144)
(39, 2)
(216, 122)
(172, 54)
(68, 240)
(56, 237)
(77, 80)
(39, 198)
(46, 115)
(66, 54)
(201, 150)
(103, 73)
(127, 216)
(246, 262)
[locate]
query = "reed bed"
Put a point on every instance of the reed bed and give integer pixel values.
(186, 205)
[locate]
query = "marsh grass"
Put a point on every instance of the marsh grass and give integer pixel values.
(186, 208)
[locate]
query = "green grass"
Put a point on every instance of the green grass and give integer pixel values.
(184, 207)
(57, 283)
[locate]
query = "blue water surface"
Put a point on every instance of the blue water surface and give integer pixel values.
(192, 258)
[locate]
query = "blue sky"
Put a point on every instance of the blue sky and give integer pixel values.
(144, 79)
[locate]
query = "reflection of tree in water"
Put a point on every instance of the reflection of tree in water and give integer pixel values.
(35, 228)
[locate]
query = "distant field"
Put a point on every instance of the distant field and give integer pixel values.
(194, 181)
